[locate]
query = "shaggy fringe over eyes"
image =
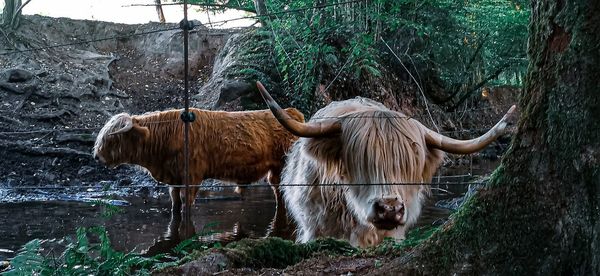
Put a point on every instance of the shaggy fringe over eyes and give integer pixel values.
(382, 146)
(115, 123)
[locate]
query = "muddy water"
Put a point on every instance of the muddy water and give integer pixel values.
(145, 225)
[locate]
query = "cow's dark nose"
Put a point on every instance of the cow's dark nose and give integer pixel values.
(388, 213)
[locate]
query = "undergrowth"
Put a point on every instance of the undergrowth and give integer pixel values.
(81, 257)
(90, 253)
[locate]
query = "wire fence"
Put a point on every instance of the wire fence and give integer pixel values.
(243, 118)
(213, 23)
(88, 41)
(267, 15)
(246, 186)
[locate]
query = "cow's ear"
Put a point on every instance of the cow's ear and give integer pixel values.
(324, 149)
(141, 131)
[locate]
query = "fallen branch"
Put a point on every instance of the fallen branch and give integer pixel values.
(24, 148)
(85, 138)
(10, 119)
(11, 88)
(49, 115)
(58, 151)
(25, 98)
(62, 130)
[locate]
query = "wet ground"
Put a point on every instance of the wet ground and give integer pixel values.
(144, 223)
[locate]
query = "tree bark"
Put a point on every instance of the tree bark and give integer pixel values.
(261, 9)
(159, 11)
(11, 14)
(540, 212)
(8, 13)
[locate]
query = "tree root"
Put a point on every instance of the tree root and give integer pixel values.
(8, 38)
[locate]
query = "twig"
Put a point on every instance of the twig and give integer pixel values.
(416, 82)
(340, 71)
(479, 85)
(8, 38)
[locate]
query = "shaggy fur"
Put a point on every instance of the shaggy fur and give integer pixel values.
(376, 146)
(240, 147)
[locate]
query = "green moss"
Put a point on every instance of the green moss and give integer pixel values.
(280, 253)
(496, 177)
(250, 56)
(413, 238)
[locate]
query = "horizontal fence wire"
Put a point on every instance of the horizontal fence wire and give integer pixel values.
(6, 52)
(110, 187)
(220, 22)
(176, 28)
(477, 130)
(88, 41)
(240, 119)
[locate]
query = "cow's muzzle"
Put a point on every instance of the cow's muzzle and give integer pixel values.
(388, 213)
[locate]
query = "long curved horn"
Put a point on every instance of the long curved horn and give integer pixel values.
(128, 126)
(451, 145)
(312, 129)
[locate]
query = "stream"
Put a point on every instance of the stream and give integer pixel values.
(143, 223)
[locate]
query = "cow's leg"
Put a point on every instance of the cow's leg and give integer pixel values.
(398, 234)
(173, 229)
(364, 236)
(274, 180)
(175, 200)
(187, 230)
(241, 190)
(193, 193)
(190, 200)
(280, 221)
(305, 233)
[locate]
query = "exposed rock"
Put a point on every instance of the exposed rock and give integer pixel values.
(242, 61)
(234, 89)
(17, 75)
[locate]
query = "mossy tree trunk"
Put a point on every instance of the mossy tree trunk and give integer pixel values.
(541, 211)
(8, 13)
(261, 10)
(11, 14)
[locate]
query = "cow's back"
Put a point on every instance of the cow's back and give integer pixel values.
(241, 146)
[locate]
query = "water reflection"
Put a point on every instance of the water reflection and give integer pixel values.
(141, 225)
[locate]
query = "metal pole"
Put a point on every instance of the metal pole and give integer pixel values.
(186, 129)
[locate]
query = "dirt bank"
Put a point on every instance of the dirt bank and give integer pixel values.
(55, 99)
